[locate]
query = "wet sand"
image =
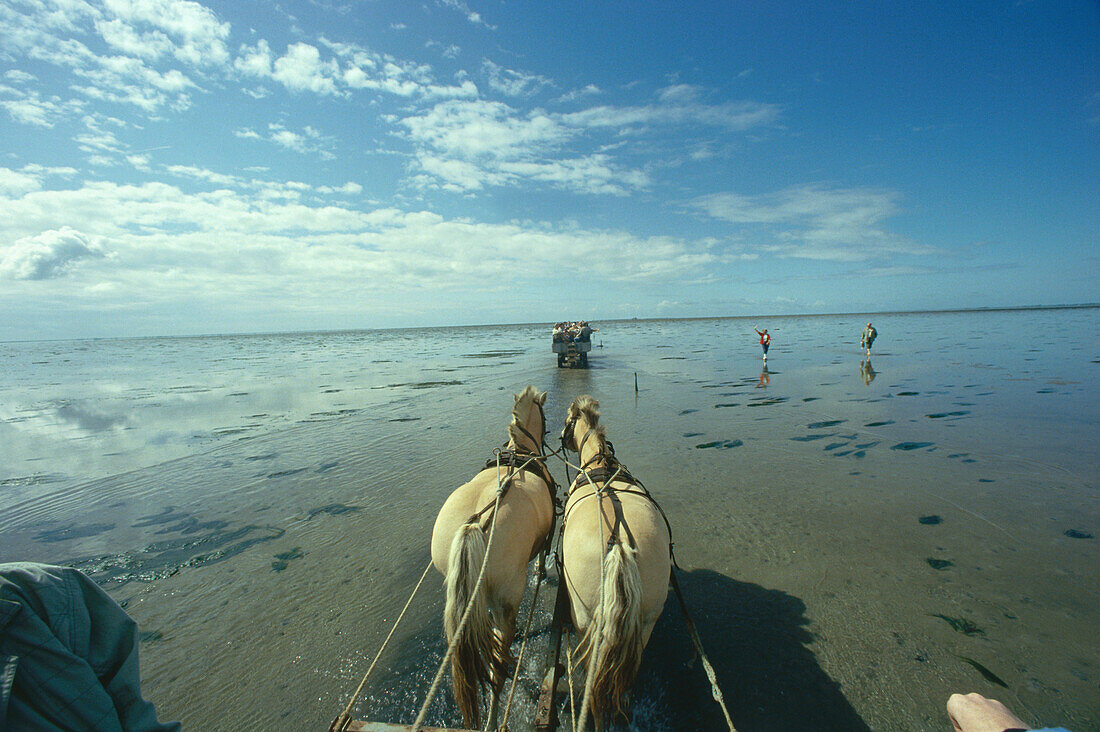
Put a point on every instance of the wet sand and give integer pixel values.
(853, 552)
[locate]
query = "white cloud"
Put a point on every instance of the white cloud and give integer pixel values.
(31, 109)
(301, 69)
(125, 38)
(142, 31)
(308, 140)
(463, 8)
(19, 77)
(512, 83)
(473, 143)
(675, 110)
(814, 222)
(47, 255)
(209, 176)
(474, 129)
(468, 145)
(199, 38)
(585, 91)
(169, 245)
(254, 60)
(16, 183)
(348, 189)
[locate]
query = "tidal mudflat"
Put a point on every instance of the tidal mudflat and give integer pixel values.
(858, 539)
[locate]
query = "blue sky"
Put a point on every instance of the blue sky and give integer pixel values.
(175, 167)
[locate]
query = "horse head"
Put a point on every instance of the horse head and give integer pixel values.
(528, 426)
(585, 411)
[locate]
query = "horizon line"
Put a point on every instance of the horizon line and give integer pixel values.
(861, 313)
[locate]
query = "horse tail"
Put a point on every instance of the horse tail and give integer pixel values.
(470, 670)
(618, 643)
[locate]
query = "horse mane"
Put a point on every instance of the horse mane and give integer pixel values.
(524, 400)
(587, 407)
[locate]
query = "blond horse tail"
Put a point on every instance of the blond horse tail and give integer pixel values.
(470, 664)
(619, 627)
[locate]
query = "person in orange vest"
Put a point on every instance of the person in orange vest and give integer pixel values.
(765, 341)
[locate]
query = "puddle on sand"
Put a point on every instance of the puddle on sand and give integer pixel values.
(72, 531)
(165, 558)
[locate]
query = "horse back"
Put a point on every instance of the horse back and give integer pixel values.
(524, 517)
(638, 524)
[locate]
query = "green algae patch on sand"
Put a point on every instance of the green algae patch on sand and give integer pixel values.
(824, 425)
(719, 444)
(333, 509)
(960, 625)
(283, 559)
(985, 672)
(811, 438)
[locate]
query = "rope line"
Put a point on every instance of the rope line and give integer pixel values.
(345, 717)
(711, 676)
(522, 648)
(569, 658)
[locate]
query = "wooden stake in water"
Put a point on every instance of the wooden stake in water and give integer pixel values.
(635, 382)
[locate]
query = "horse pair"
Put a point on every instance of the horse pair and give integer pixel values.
(615, 558)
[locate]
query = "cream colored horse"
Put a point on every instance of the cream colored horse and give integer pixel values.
(618, 539)
(459, 541)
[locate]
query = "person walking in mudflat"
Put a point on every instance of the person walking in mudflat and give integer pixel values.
(765, 341)
(868, 338)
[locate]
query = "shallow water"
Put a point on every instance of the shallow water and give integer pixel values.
(857, 542)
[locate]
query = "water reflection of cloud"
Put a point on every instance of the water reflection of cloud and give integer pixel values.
(88, 418)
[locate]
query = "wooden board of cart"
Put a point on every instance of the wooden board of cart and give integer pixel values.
(354, 726)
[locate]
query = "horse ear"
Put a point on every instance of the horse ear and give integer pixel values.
(541, 398)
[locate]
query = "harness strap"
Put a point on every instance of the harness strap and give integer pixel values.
(517, 462)
(603, 475)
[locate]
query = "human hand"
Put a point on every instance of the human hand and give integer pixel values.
(975, 713)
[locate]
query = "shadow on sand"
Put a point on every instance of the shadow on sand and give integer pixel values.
(756, 640)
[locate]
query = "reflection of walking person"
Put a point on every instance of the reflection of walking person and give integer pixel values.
(765, 341)
(868, 338)
(867, 372)
(765, 378)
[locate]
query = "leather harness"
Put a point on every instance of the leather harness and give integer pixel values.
(601, 478)
(516, 461)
